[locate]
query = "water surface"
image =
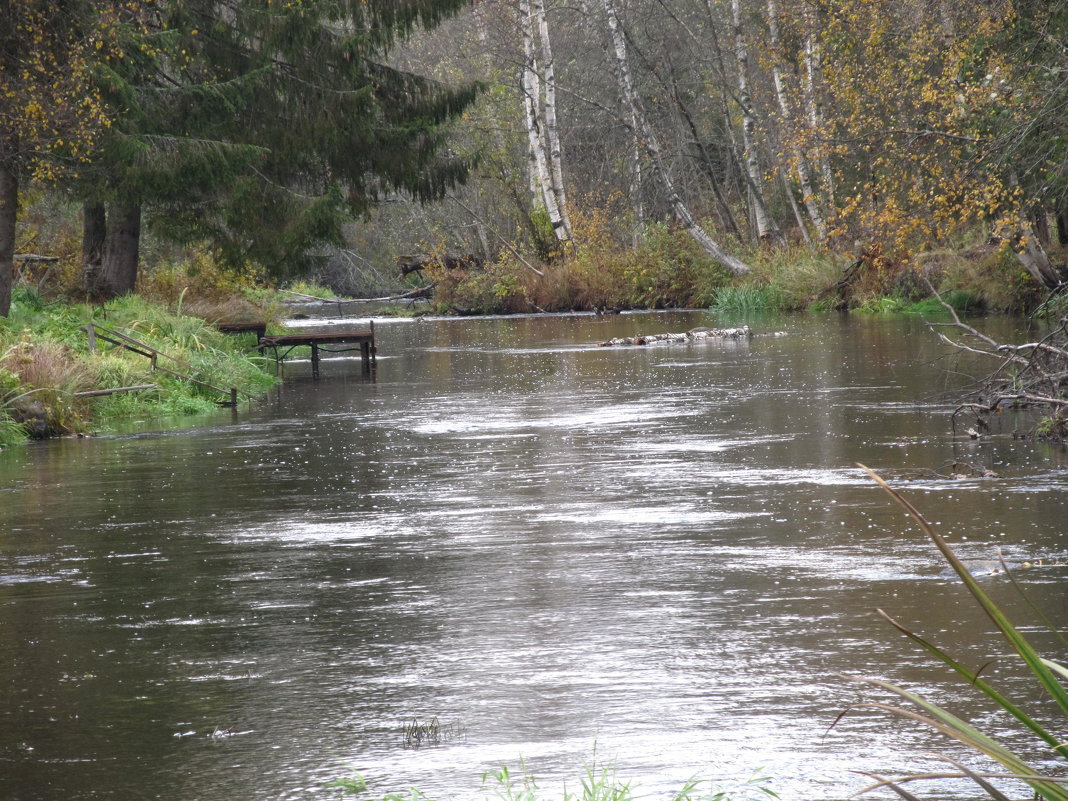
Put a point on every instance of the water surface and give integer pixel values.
(656, 558)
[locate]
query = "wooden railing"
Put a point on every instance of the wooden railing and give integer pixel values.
(98, 332)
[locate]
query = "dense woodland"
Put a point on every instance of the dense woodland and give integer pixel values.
(529, 136)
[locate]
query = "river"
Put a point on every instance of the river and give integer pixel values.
(652, 559)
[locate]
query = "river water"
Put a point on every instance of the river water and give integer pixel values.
(652, 559)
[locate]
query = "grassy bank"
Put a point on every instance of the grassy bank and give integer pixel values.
(46, 367)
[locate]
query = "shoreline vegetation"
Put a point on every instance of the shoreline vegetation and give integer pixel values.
(47, 370)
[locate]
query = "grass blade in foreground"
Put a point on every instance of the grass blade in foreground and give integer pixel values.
(1047, 673)
(1030, 657)
(977, 682)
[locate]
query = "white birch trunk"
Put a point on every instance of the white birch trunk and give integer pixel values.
(766, 228)
(800, 162)
(552, 133)
(540, 173)
(652, 147)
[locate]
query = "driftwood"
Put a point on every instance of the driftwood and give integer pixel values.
(1032, 375)
(33, 257)
(414, 294)
(839, 291)
(689, 336)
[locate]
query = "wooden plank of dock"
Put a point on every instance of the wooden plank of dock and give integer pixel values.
(364, 338)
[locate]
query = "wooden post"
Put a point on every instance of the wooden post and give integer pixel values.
(315, 360)
(373, 349)
(91, 329)
(233, 397)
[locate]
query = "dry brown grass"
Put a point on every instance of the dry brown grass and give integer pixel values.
(52, 375)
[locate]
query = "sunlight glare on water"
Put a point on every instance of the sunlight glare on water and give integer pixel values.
(656, 558)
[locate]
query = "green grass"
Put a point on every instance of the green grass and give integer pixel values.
(883, 305)
(959, 299)
(11, 432)
(310, 288)
(746, 299)
(595, 783)
(44, 357)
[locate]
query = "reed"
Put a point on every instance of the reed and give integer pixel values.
(1049, 676)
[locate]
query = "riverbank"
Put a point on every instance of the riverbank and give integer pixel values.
(666, 269)
(46, 367)
(54, 381)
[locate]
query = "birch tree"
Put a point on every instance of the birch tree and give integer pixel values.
(651, 144)
(538, 81)
(811, 79)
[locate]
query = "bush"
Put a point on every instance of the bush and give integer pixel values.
(666, 269)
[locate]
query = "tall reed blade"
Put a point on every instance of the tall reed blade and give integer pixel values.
(1030, 657)
(976, 681)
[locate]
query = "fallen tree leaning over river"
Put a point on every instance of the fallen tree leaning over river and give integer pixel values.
(687, 336)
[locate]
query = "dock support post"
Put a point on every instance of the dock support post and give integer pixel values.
(315, 360)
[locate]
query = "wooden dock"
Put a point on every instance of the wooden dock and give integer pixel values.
(331, 341)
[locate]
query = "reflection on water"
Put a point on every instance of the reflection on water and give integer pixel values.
(663, 554)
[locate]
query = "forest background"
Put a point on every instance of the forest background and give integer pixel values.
(600, 153)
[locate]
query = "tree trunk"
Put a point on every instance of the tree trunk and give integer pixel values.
(1035, 260)
(800, 162)
(726, 215)
(810, 81)
(94, 232)
(767, 230)
(541, 183)
(552, 133)
(1040, 225)
(652, 148)
(118, 269)
(9, 204)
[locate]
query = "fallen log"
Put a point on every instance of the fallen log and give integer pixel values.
(689, 336)
(414, 294)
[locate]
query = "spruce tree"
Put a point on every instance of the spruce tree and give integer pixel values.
(260, 127)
